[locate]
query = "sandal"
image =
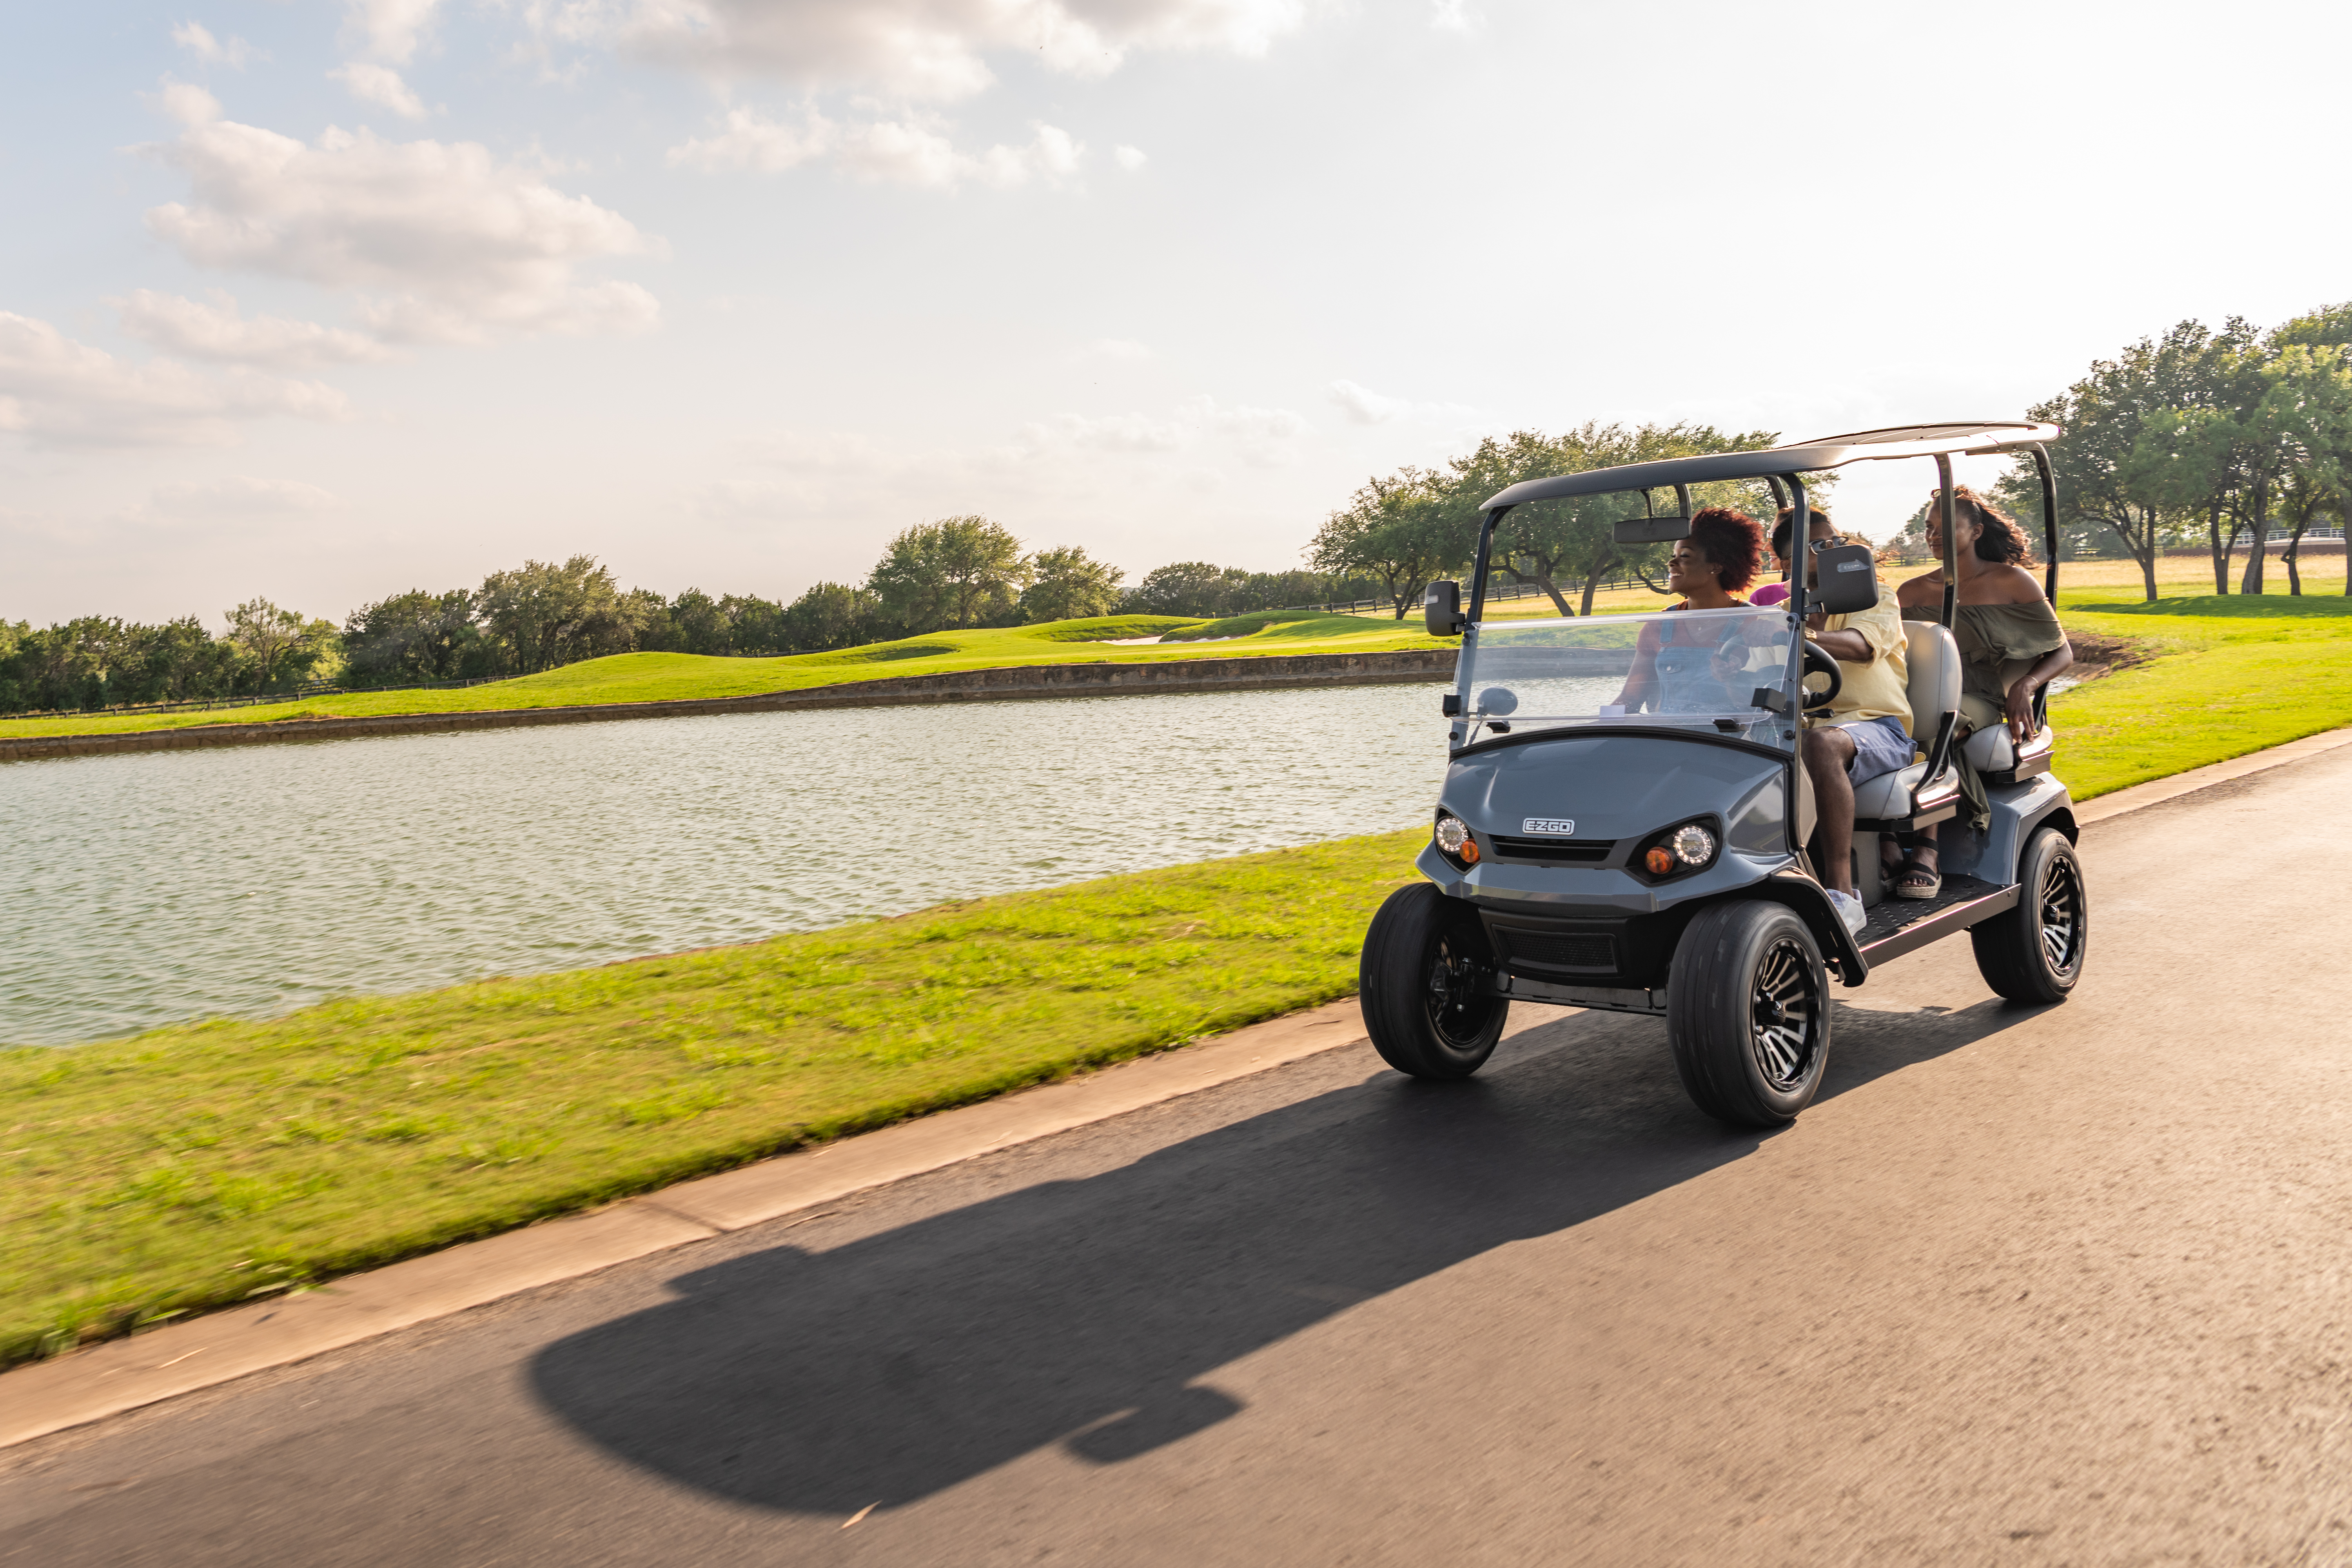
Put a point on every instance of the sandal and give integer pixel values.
(1918, 881)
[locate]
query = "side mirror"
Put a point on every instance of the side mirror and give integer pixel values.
(1442, 611)
(1846, 581)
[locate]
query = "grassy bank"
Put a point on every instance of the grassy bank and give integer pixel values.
(2229, 676)
(196, 1165)
(673, 676)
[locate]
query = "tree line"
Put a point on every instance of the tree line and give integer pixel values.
(2231, 438)
(955, 573)
(2224, 438)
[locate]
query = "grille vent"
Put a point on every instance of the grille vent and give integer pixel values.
(1555, 851)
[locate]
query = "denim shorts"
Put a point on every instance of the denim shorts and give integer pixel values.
(1880, 746)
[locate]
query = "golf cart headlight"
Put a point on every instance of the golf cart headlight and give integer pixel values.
(1692, 845)
(1677, 851)
(1453, 838)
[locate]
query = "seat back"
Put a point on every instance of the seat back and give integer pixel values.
(1935, 684)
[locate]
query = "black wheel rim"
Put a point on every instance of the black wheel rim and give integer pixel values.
(1784, 1011)
(2059, 915)
(1457, 996)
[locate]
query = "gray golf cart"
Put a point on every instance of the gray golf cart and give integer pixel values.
(1625, 831)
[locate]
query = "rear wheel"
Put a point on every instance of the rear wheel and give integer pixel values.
(1425, 984)
(1747, 1013)
(2034, 952)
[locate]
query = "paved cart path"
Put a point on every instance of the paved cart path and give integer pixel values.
(2026, 1286)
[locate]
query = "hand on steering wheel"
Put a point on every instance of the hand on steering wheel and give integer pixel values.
(1818, 662)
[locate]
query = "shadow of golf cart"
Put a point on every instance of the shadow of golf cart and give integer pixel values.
(1660, 856)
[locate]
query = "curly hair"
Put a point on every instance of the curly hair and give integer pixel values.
(1999, 538)
(1732, 541)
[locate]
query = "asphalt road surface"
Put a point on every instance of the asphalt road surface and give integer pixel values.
(2034, 1286)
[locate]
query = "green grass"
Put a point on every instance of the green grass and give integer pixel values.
(195, 1165)
(670, 677)
(2231, 675)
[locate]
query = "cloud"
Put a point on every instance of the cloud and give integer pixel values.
(912, 151)
(1453, 16)
(241, 496)
(216, 332)
(379, 85)
(185, 102)
(747, 142)
(906, 153)
(62, 393)
(917, 49)
(1362, 405)
(1128, 158)
(198, 40)
(1262, 435)
(393, 28)
(444, 243)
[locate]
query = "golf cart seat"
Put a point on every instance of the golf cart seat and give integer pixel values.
(1993, 755)
(1928, 790)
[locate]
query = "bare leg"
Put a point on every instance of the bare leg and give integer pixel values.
(1827, 753)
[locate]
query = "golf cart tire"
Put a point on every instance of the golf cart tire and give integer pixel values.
(1422, 984)
(2034, 954)
(1747, 1013)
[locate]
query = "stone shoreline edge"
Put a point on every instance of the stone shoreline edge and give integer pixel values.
(120, 1376)
(1015, 683)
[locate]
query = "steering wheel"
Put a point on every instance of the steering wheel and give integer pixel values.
(1818, 662)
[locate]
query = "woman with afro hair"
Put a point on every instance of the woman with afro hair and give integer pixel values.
(1690, 671)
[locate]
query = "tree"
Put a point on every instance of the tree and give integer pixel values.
(831, 615)
(958, 572)
(279, 646)
(1400, 528)
(1529, 550)
(1069, 585)
(2107, 415)
(1195, 588)
(544, 614)
(2306, 412)
(414, 637)
(1575, 540)
(694, 623)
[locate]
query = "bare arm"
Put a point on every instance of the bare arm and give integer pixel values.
(2019, 706)
(1643, 678)
(1847, 646)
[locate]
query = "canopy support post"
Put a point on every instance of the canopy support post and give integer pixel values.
(1950, 505)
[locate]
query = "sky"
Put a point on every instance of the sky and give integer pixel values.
(323, 302)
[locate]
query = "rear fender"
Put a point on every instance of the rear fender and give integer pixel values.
(2019, 812)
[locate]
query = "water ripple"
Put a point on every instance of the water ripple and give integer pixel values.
(158, 886)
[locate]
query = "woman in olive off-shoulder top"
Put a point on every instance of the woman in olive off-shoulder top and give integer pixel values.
(2010, 646)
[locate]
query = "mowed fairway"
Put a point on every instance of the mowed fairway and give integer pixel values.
(675, 676)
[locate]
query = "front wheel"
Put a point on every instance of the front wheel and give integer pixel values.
(1747, 1013)
(1425, 983)
(2034, 952)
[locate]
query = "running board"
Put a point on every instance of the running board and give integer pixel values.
(1942, 923)
(1601, 998)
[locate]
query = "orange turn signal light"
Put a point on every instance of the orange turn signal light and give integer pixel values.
(1660, 860)
(1469, 852)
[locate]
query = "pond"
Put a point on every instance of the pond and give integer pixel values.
(247, 881)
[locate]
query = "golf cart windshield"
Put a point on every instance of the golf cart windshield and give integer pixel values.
(1723, 672)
